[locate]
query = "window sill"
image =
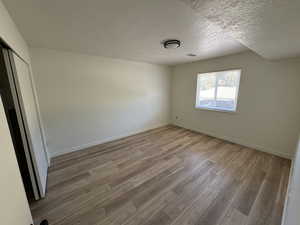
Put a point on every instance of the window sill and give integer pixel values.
(216, 110)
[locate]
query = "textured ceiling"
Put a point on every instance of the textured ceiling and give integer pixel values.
(269, 27)
(133, 29)
(128, 29)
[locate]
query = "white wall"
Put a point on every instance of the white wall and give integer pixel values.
(86, 100)
(10, 34)
(14, 209)
(292, 216)
(267, 116)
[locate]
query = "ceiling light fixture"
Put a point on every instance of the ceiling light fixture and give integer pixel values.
(171, 44)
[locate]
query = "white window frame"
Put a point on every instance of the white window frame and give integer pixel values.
(197, 105)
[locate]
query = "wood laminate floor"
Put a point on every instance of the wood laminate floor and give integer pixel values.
(168, 175)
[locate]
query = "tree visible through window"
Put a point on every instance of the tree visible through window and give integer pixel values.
(218, 90)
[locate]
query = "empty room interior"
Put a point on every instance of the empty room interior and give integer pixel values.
(139, 112)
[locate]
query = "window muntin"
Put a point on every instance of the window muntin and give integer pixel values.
(218, 90)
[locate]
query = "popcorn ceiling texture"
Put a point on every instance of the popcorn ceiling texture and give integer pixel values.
(134, 29)
(268, 27)
(127, 29)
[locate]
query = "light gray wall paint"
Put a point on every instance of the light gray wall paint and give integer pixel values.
(14, 208)
(11, 35)
(86, 100)
(268, 110)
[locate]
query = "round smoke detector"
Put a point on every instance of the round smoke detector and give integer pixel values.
(171, 44)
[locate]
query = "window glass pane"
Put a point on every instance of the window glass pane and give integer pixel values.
(218, 90)
(207, 89)
(227, 88)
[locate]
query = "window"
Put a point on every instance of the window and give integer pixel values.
(218, 90)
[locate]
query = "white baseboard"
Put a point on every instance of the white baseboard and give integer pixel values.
(113, 138)
(102, 141)
(239, 141)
